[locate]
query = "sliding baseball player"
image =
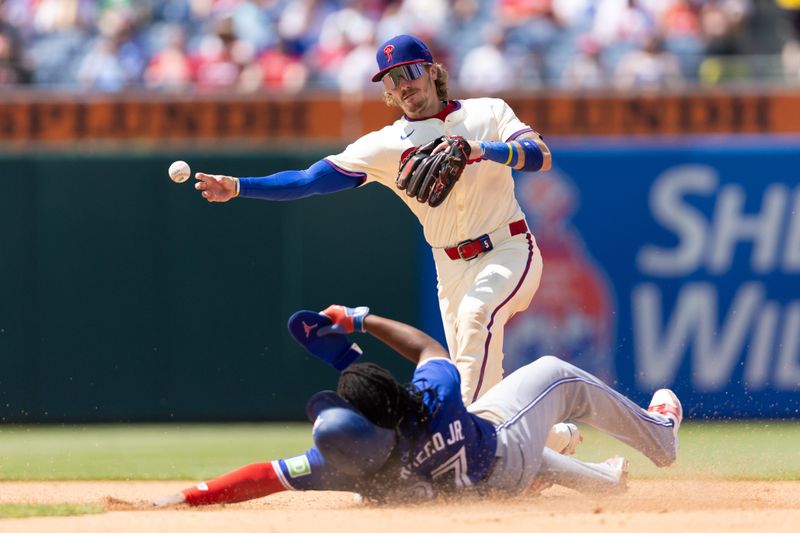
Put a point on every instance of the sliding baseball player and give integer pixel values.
(389, 441)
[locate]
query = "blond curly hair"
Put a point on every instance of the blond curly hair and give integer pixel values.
(441, 87)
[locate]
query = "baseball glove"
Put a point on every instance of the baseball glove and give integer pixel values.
(430, 178)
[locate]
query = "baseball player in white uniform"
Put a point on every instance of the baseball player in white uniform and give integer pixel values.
(487, 261)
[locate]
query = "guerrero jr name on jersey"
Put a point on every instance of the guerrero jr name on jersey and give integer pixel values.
(455, 448)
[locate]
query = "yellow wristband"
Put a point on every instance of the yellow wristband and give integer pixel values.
(510, 154)
(237, 187)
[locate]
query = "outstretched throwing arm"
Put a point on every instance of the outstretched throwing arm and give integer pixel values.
(320, 178)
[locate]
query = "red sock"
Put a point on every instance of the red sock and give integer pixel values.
(251, 481)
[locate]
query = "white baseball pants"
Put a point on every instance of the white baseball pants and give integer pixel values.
(477, 298)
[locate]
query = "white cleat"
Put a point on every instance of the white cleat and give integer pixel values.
(564, 438)
(665, 403)
(620, 466)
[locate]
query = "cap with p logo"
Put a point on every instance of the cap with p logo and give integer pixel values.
(400, 50)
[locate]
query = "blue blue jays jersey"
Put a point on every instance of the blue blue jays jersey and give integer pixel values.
(455, 448)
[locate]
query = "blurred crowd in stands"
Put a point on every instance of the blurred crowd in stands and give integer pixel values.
(488, 46)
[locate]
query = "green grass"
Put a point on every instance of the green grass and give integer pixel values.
(748, 450)
(733, 450)
(20, 510)
(152, 451)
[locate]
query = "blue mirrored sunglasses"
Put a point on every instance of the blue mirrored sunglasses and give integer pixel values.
(410, 72)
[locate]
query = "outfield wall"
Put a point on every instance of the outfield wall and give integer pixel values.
(126, 297)
(670, 263)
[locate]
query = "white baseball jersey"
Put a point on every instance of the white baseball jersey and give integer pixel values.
(476, 297)
(482, 200)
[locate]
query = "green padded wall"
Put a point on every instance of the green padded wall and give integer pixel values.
(126, 297)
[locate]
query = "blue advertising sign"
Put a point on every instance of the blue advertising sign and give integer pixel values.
(669, 264)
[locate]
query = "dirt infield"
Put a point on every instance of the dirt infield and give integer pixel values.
(681, 506)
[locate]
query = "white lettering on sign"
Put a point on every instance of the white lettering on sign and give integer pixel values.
(791, 252)
(712, 243)
(667, 203)
(732, 226)
(716, 339)
(751, 335)
(787, 373)
(759, 358)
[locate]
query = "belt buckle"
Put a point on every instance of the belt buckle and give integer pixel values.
(486, 245)
(460, 247)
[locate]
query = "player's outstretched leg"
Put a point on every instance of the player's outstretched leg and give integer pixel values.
(526, 404)
(550, 390)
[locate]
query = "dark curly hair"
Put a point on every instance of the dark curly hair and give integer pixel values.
(379, 397)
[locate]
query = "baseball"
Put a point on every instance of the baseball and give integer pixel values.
(179, 171)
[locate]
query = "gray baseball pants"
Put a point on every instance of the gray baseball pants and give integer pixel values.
(525, 405)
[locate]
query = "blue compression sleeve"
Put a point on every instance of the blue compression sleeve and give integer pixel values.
(509, 154)
(320, 178)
